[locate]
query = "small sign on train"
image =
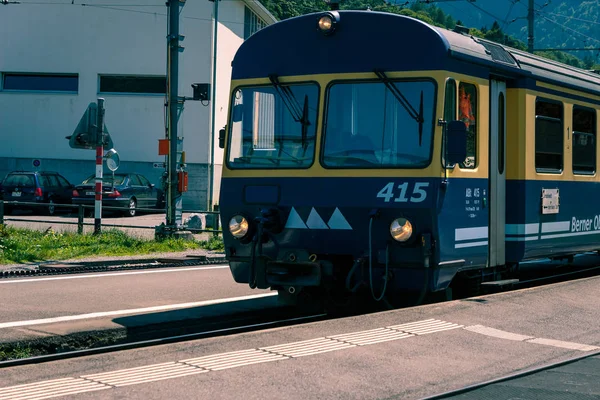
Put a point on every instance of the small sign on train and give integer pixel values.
(550, 201)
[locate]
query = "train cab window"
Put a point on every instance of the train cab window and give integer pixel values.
(449, 110)
(584, 140)
(548, 136)
(370, 126)
(467, 112)
(273, 127)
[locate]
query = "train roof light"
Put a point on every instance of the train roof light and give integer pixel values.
(327, 22)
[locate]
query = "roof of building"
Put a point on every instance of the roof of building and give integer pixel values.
(261, 11)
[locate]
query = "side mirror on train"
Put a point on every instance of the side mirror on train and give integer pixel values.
(222, 137)
(456, 142)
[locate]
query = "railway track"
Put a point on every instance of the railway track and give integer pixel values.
(168, 333)
(252, 321)
(112, 265)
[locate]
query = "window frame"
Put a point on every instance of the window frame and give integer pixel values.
(252, 22)
(229, 126)
(392, 80)
(546, 170)
(132, 76)
(476, 141)
(454, 104)
(4, 75)
(594, 134)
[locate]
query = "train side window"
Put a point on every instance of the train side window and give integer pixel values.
(584, 140)
(549, 145)
(467, 112)
(449, 110)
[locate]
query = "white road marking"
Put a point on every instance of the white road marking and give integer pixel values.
(234, 359)
(148, 373)
(308, 347)
(373, 336)
(564, 345)
(104, 275)
(131, 311)
(49, 389)
(485, 330)
(425, 327)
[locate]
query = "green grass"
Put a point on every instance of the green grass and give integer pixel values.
(12, 353)
(22, 246)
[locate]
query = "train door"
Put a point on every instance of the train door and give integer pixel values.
(497, 171)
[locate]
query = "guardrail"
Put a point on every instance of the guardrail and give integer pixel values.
(81, 210)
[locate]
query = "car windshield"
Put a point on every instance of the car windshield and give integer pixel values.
(273, 126)
(369, 126)
(119, 179)
(19, 180)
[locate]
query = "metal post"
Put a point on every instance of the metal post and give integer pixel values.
(211, 141)
(99, 159)
(80, 214)
(173, 196)
(530, 25)
(217, 220)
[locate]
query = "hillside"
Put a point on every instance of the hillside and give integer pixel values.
(558, 25)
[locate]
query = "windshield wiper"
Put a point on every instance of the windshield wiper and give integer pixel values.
(299, 114)
(417, 116)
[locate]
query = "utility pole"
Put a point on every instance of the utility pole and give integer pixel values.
(530, 25)
(213, 130)
(99, 134)
(174, 206)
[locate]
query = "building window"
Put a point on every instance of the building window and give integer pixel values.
(584, 140)
(252, 23)
(467, 113)
(40, 82)
(548, 136)
(133, 84)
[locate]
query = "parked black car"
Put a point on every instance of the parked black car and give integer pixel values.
(128, 191)
(44, 187)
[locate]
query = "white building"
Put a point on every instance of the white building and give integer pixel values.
(58, 57)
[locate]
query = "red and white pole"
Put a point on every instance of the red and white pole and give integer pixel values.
(99, 167)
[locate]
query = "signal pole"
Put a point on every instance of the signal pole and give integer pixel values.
(99, 134)
(174, 206)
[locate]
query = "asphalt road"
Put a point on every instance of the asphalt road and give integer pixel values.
(402, 354)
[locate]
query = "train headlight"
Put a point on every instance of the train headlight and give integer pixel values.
(401, 229)
(328, 22)
(238, 226)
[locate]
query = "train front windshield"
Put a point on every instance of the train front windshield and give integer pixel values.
(373, 125)
(273, 126)
(380, 124)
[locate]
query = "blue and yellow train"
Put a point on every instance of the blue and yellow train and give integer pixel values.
(372, 151)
